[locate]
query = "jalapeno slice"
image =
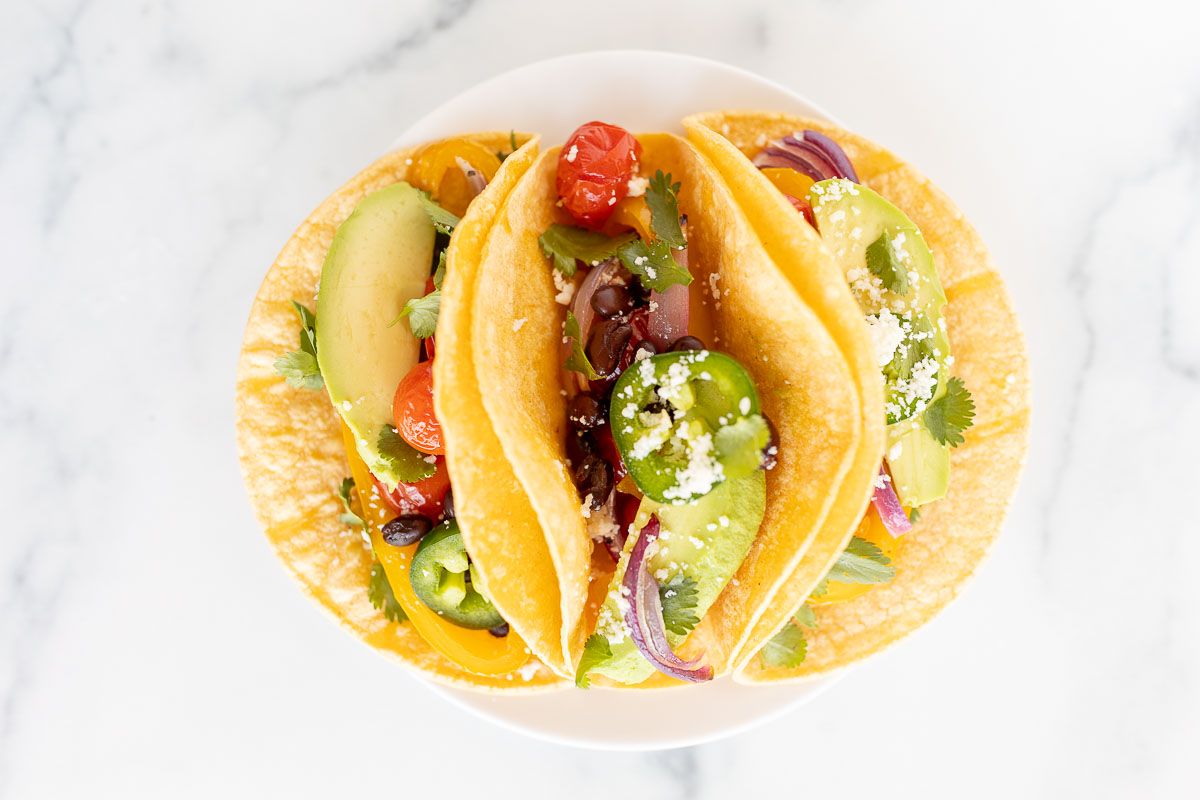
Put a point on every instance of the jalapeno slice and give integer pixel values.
(686, 421)
(442, 577)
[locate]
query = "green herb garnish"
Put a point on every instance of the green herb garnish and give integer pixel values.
(512, 144)
(422, 313)
(566, 244)
(439, 274)
(578, 360)
(379, 592)
(788, 648)
(403, 461)
(951, 414)
(862, 562)
(348, 517)
(654, 264)
(679, 604)
(883, 263)
(662, 198)
(300, 366)
(596, 650)
(442, 219)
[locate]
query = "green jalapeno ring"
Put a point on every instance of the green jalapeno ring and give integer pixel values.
(442, 578)
(667, 413)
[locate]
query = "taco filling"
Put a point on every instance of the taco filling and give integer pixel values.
(667, 442)
(371, 346)
(891, 274)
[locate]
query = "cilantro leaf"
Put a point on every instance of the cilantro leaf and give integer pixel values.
(805, 616)
(348, 517)
(596, 650)
(403, 461)
(566, 244)
(578, 360)
(379, 592)
(654, 263)
(785, 649)
(951, 414)
(422, 313)
(862, 562)
(300, 366)
(663, 201)
(439, 274)
(882, 261)
(679, 604)
(512, 144)
(442, 219)
(914, 515)
(740, 445)
(821, 588)
(300, 369)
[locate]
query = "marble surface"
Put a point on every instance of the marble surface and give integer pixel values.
(155, 155)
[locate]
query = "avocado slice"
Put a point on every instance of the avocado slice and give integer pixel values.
(704, 541)
(379, 260)
(892, 274)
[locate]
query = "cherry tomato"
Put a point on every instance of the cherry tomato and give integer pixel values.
(412, 409)
(594, 169)
(426, 497)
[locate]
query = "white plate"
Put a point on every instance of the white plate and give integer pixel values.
(552, 98)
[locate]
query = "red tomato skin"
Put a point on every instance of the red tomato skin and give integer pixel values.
(426, 497)
(412, 410)
(594, 168)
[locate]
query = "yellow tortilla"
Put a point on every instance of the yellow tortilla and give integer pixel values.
(290, 443)
(807, 387)
(954, 534)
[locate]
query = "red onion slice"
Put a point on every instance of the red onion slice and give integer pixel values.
(644, 617)
(810, 152)
(474, 177)
(672, 309)
(887, 503)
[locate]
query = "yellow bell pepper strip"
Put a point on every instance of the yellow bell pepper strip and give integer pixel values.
(435, 169)
(789, 181)
(474, 650)
(632, 212)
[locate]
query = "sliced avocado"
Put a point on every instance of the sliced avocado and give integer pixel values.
(891, 272)
(378, 261)
(705, 541)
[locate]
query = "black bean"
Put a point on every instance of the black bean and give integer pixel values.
(687, 343)
(639, 292)
(579, 446)
(594, 480)
(607, 342)
(585, 412)
(612, 301)
(770, 453)
(448, 506)
(406, 529)
(645, 346)
(500, 631)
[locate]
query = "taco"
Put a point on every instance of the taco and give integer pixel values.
(701, 428)
(946, 342)
(345, 460)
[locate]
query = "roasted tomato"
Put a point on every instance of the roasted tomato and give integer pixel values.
(426, 497)
(594, 169)
(412, 408)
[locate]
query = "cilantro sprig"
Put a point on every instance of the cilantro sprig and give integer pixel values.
(445, 221)
(512, 146)
(679, 600)
(300, 367)
(788, 648)
(654, 264)
(422, 313)
(402, 460)
(596, 650)
(566, 244)
(662, 198)
(348, 517)
(577, 360)
(951, 414)
(380, 593)
(883, 263)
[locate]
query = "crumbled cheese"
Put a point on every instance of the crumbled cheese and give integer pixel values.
(886, 335)
(702, 472)
(895, 451)
(566, 289)
(518, 323)
(637, 186)
(572, 153)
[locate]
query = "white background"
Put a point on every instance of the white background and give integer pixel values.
(155, 156)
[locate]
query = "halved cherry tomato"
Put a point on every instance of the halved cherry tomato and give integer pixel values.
(412, 409)
(426, 497)
(594, 169)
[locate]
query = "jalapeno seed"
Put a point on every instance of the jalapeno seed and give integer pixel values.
(686, 343)
(406, 529)
(612, 301)
(606, 345)
(500, 631)
(586, 412)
